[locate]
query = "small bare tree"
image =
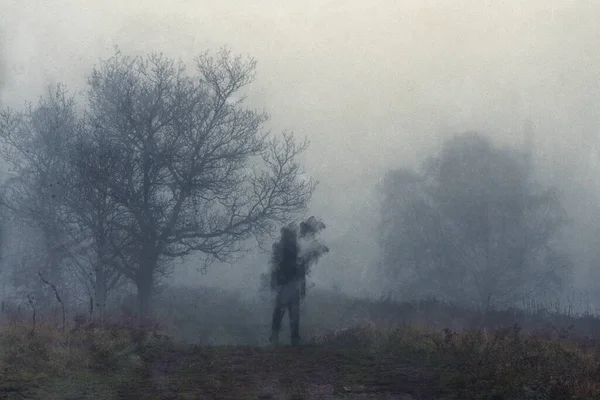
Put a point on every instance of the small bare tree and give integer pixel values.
(34, 144)
(51, 190)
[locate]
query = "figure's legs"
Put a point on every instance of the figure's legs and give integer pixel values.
(294, 314)
(278, 313)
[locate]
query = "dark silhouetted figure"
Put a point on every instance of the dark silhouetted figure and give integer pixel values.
(289, 282)
(290, 262)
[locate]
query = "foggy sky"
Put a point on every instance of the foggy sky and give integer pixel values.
(372, 84)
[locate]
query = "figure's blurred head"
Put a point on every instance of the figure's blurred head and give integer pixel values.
(288, 233)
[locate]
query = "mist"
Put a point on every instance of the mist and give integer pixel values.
(373, 87)
(151, 152)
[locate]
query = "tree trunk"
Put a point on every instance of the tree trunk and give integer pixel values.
(144, 279)
(100, 292)
(145, 288)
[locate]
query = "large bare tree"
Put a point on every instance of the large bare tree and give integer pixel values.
(196, 170)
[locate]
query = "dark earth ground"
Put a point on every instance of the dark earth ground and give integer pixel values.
(177, 372)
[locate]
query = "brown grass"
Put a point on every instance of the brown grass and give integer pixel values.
(504, 364)
(125, 358)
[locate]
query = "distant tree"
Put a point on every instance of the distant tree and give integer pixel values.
(471, 226)
(51, 154)
(34, 145)
(196, 172)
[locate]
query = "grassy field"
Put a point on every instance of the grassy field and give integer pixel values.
(381, 358)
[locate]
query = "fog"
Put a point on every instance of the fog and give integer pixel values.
(373, 85)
